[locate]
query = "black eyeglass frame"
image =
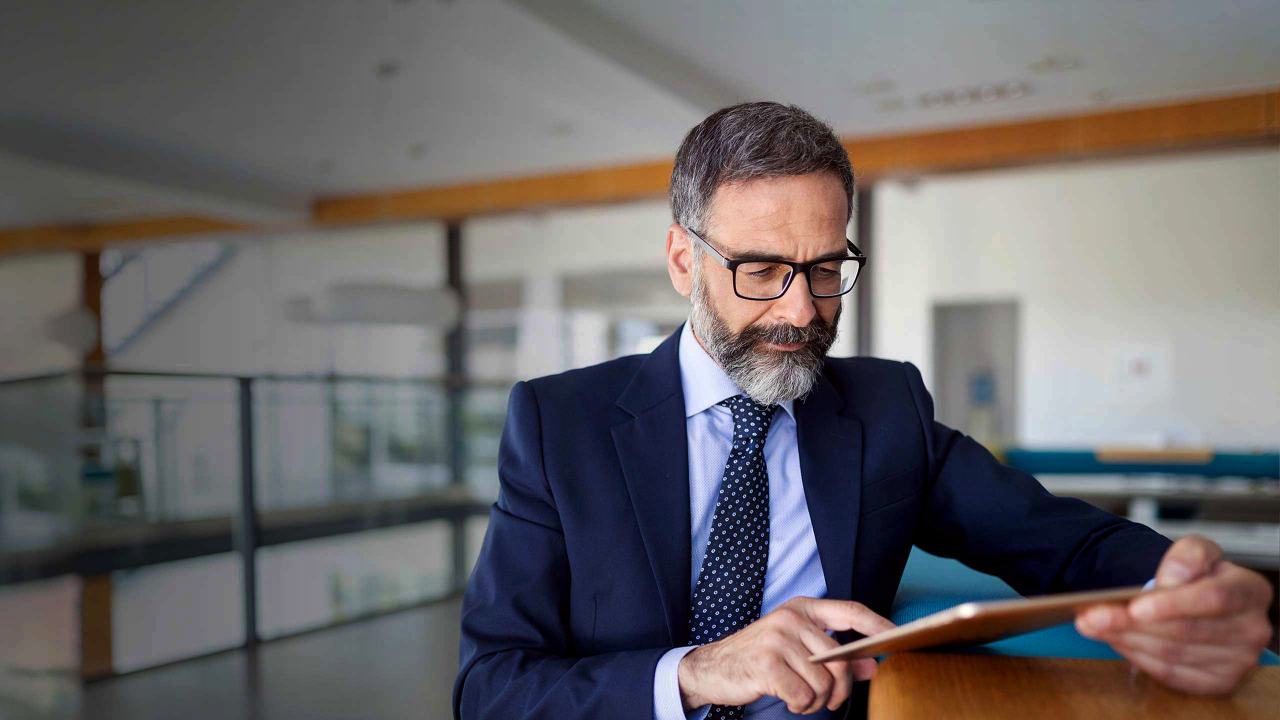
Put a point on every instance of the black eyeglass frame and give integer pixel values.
(797, 268)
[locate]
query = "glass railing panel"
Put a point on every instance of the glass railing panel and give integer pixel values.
(176, 610)
(484, 413)
(309, 584)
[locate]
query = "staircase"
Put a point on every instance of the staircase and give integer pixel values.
(142, 286)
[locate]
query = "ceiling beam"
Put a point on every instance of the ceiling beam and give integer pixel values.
(1247, 120)
(96, 236)
(579, 187)
(1219, 122)
(669, 71)
(1198, 124)
(199, 184)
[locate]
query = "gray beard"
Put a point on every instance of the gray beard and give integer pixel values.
(769, 377)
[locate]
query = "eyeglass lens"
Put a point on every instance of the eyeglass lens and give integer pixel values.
(766, 280)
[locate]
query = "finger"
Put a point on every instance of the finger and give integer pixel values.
(1194, 680)
(844, 615)
(817, 642)
(864, 669)
(1247, 629)
(1227, 590)
(788, 686)
(1177, 652)
(1097, 621)
(819, 678)
(1187, 559)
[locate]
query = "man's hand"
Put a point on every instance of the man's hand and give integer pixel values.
(1200, 631)
(771, 657)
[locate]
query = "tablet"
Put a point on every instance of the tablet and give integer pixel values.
(978, 622)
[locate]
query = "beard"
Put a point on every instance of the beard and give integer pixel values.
(767, 376)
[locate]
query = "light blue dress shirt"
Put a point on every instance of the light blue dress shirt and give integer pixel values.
(794, 568)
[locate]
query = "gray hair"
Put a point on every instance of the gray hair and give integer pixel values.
(747, 142)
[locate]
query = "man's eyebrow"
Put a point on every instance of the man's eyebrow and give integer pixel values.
(757, 256)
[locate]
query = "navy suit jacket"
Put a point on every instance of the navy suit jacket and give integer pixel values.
(583, 579)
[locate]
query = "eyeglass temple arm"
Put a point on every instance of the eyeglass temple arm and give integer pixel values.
(719, 258)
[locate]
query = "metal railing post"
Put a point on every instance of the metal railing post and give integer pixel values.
(246, 532)
(455, 392)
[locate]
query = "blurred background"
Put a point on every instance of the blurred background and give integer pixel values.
(269, 269)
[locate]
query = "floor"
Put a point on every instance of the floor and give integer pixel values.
(395, 666)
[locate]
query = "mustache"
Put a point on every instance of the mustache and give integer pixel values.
(819, 332)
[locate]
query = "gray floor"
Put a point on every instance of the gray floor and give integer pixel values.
(397, 666)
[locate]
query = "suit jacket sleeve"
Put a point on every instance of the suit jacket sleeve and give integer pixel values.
(1001, 521)
(517, 652)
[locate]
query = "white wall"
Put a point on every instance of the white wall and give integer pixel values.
(236, 322)
(1173, 260)
(35, 289)
(562, 242)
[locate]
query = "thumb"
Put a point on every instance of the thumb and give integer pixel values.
(846, 615)
(1189, 558)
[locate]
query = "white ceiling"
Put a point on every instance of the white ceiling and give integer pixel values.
(249, 109)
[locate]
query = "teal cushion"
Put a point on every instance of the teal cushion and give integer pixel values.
(931, 584)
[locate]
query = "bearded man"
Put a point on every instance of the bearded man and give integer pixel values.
(677, 533)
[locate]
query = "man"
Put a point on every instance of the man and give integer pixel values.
(678, 532)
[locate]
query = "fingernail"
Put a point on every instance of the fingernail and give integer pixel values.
(1098, 619)
(1143, 609)
(1177, 572)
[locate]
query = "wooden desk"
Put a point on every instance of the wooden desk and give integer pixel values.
(937, 685)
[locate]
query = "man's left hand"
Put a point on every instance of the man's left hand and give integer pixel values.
(1200, 630)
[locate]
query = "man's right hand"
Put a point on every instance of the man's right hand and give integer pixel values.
(771, 657)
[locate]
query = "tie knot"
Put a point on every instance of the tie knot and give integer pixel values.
(750, 418)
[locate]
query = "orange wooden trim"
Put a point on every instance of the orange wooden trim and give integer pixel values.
(1199, 124)
(1187, 456)
(447, 202)
(95, 627)
(1247, 119)
(95, 236)
(1240, 120)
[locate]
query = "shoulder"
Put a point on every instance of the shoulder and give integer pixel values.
(843, 371)
(870, 381)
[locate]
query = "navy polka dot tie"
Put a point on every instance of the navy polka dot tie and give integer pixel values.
(731, 584)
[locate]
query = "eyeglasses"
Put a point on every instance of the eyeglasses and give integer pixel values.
(769, 279)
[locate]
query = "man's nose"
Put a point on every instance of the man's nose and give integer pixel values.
(796, 307)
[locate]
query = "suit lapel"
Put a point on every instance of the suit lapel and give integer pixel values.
(653, 451)
(830, 447)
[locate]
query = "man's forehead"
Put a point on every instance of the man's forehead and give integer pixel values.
(777, 235)
(801, 205)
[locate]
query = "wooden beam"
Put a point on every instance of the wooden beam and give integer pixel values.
(95, 627)
(91, 300)
(1245, 120)
(89, 237)
(451, 202)
(1219, 122)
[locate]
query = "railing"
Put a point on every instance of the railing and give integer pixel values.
(110, 471)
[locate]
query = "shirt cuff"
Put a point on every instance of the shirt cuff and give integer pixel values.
(1150, 584)
(666, 687)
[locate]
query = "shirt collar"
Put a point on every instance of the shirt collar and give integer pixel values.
(704, 382)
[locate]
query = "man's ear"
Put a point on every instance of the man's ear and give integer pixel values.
(679, 260)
